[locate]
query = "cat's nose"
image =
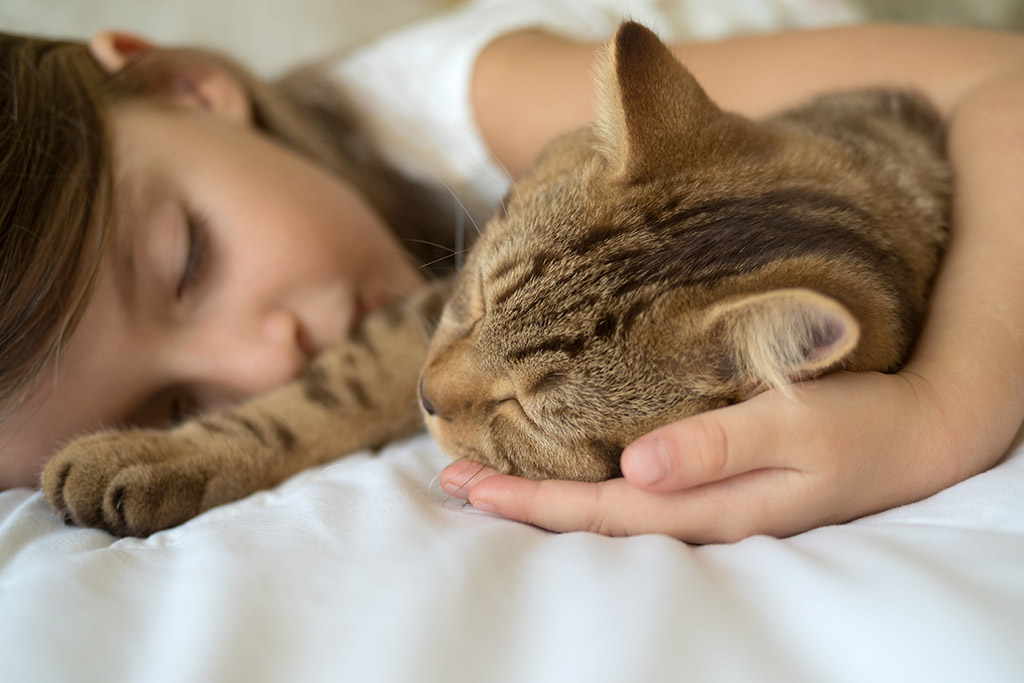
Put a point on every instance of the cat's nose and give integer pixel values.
(428, 407)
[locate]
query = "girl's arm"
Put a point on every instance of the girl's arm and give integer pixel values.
(857, 443)
(530, 87)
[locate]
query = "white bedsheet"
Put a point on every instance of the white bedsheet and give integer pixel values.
(365, 571)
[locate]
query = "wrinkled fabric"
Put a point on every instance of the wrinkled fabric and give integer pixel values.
(365, 570)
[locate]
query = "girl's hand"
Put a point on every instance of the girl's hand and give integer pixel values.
(845, 446)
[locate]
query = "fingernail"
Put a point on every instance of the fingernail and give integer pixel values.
(649, 461)
(454, 489)
(484, 506)
(459, 478)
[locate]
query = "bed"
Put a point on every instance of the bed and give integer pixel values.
(365, 570)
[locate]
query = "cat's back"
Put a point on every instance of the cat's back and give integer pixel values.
(889, 150)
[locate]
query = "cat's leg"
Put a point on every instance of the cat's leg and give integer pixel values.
(358, 394)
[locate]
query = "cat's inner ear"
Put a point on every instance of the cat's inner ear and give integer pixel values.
(784, 335)
(650, 108)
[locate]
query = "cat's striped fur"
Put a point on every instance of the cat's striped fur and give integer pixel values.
(675, 258)
(670, 259)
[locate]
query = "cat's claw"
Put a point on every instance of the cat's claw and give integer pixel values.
(121, 482)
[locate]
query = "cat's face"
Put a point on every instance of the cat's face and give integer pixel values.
(635, 277)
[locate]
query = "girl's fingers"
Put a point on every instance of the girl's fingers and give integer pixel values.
(758, 502)
(459, 478)
(708, 447)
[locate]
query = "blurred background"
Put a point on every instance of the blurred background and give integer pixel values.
(271, 35)
(1006, 14)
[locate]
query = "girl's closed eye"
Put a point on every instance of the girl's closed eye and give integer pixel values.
(197, 255)
(180, 409)
(166, 409)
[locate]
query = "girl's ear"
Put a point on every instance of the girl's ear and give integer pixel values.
(113, 50)
(192, 83)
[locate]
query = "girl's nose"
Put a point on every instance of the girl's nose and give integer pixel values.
(233, 361)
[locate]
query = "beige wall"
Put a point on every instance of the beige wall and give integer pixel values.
(270, 35)
(987, 13)
(267, 35)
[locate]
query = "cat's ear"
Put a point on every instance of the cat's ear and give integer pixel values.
(650, 108)
(784, 335)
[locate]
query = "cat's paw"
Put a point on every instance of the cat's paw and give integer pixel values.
(130, 483)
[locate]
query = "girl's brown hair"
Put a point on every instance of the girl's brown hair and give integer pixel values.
(57, 193)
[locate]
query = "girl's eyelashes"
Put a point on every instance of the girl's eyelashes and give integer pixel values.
(197, 255)
(180, 408)
(168, 408)
(176, 412)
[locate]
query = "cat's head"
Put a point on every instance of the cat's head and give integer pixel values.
(579, 322)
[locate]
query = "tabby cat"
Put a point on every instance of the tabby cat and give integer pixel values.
(670, 259)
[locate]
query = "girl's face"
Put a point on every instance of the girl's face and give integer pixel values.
(235, 260)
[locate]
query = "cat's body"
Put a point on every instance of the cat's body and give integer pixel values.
(675, 258)
(669, 260)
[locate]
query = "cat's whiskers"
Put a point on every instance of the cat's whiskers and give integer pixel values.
(455, 197)
(453, 252)
(480, 468)
(455, 501)
(456, 254)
